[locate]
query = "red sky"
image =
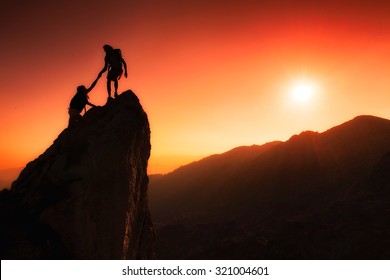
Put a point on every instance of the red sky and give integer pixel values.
(212, 75)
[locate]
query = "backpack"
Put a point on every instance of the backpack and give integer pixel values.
(115, 58)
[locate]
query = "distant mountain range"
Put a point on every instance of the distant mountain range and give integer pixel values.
(316, 196)
(7, 176)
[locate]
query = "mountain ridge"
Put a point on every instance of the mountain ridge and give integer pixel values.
(306, 180)
(7, 176)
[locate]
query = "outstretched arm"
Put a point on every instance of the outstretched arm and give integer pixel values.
(105, 67)
(94, 83)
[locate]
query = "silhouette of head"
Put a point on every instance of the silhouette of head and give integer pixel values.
(81, 89)
(107, 48)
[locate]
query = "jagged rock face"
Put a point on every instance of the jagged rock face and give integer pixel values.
(86, 196)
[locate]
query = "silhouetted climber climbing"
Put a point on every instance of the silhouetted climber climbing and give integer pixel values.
(79, 101)
(114, 62)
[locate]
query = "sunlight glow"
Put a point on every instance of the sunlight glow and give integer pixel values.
(302, 91)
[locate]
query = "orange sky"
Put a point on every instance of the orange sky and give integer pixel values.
(212, 75)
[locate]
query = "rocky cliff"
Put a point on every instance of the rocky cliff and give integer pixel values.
(85, 197)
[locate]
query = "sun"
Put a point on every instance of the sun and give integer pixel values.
(302, 91)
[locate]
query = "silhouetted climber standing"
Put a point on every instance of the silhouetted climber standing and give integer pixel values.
(114, 63)
(79, 101)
